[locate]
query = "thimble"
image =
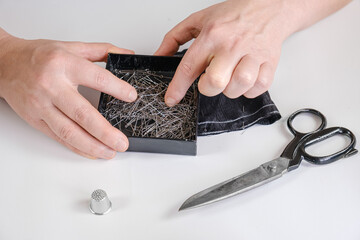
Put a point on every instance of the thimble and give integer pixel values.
(100, 203)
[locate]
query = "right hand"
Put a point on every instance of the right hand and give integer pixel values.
(238, 44)
(39, 80)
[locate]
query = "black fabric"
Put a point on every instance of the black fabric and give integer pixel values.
(220, 114)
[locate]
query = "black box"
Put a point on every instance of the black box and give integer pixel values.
(148, 123)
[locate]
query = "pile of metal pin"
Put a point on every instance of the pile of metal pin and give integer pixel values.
(149, 116)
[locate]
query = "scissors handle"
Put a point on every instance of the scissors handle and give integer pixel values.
(322, 135)
(301, 111)
(292, 147)
(295, 150)
(319, 136)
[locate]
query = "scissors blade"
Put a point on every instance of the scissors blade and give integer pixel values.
(263, 174)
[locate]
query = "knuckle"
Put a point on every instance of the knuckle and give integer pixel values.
(108, 45)
(81, 114)
(186, 69)
(34, 101)
(263, 83)
(212, 27)
(81, 46)
(43, 81)
(66, 133)
(253, 93)
(216, 31)
(48, 53)
(250, 95)
(30, 119)
(193, 15)
(246, 79)
(168, 36)
(231, 93)
(55, 55)
(96, 150)
(224, 38)
(107, 136)
(216, 80)
(101, 80)
(49, 60)
(234, 45)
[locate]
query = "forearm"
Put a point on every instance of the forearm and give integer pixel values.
(304, 13)
(6, 46)
(3, 36)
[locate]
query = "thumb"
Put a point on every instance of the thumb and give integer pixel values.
(180, 34)
(95, 52)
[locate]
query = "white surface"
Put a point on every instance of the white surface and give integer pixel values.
(45, 188)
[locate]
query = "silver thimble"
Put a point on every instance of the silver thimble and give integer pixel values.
(100, 203)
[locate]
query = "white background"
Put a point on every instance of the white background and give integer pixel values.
(45, 188)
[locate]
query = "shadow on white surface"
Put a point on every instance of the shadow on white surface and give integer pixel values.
(118, 203)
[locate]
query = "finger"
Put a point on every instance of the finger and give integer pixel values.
(191, 66)
(77, 108)
(263, 82)
(217, 74)
(90, 75)
(243, 78)
(180, 34)
(43, 127)
(94, 52)
(72, 134)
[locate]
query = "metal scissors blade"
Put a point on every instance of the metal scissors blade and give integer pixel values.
(263, 174)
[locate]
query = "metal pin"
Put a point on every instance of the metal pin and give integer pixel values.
(149, 116)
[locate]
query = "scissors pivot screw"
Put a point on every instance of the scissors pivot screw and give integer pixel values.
(272, 167)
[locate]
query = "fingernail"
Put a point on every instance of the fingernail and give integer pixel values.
(108, 153)
(132, 95)
(122, 145)
(89, 157)
(170, 101)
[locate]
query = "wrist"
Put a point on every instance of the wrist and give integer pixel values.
(5, 38)
(3, 35)
(292, 16)
(302, 14)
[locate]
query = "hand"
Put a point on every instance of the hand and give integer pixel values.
(39, 80)
(237, 42)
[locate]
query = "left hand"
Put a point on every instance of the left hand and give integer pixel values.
(39, 79)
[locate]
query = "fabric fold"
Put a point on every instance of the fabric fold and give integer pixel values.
(220, 114)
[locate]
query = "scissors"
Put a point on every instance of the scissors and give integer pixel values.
(289, 160)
